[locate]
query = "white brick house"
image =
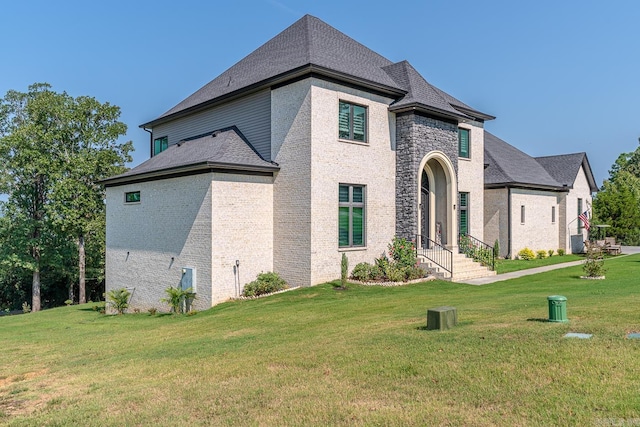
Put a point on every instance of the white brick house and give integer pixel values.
(310, 147)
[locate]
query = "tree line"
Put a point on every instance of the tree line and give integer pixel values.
(617, 203)
(54, 150)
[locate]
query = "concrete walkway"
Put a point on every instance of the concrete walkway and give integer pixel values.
(626, 250)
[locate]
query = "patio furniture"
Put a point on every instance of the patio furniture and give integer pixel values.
(612, 247)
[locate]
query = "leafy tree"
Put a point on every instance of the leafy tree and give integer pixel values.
(618, 204)
(53, 148)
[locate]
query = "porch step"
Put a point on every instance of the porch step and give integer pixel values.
(463, 269)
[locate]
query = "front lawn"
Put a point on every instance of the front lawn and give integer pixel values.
(509, 265)
(317, 356)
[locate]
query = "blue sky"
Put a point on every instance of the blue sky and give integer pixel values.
(560, 76)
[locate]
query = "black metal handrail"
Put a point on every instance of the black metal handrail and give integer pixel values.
(435, 252)
(478, 250)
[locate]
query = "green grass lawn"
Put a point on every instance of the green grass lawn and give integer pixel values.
(318, 356)
(509, 265)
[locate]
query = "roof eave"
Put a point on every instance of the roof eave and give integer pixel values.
(527, 186)
(417, 106)
(474, 113)
(186, 170)
(297, 73)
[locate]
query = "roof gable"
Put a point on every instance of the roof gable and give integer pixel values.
(565, 167)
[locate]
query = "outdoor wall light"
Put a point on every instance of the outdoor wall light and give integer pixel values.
(237, 263)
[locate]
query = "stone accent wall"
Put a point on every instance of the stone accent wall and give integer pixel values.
(416, 136)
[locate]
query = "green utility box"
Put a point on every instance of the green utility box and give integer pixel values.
(441, 318)
(557, 308)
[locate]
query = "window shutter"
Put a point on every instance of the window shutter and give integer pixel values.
(463, 143)
(343, 120)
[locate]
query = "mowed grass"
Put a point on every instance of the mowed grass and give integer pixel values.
(318, 356)
(509, 265)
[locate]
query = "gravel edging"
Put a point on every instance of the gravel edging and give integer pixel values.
(241, 298)
(389, 284)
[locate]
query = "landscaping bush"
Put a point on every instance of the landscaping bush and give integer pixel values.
(496, 249)
(119, 299)
(526, 254)
(179, 299)
(403, 252)
(362, 272)
(541, 254)
(594, 264)
(560, 252)
(415, 272)
(265, 283)
(550, 253)
(344, 270)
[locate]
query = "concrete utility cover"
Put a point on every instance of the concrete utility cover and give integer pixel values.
(578, 335)
(634, 335)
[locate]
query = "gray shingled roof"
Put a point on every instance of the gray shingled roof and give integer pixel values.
(508, 166)
(419, 91)
(564, 168)
(224, 149)
(312, 46)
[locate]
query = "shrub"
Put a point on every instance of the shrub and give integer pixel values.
(119, 299)
(68, 302)
(496, 249)
(403, 252)
(415, 272)
(179, 299)
(594, 264)
(152, 311)
(362, 272)
(560, 252)
(265, 283)
(26, 308)
(541, 254)
(526, 254)
(396, 273)
(383, 265)
(344, 268)
(550, 253)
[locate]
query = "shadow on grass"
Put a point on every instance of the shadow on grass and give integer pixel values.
(536, 319)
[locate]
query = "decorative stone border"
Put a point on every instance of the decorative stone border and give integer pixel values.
(240, 298)
(389, 284)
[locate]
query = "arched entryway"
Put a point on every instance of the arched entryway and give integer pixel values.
(436, 200)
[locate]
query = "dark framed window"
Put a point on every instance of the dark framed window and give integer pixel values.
(522, 214)
(132, 197)
(463, 205)
(352, 122)
(553, 214)
(351, 215)
(464, 149)
(580, 224)
(160, 144)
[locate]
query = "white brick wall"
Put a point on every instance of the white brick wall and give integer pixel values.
(205, 221)
(580, 190)
(149, 242)
(335, 161)
(537, 232)
(471, 180)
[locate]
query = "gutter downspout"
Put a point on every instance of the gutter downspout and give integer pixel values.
(508, 222)
(150, 141)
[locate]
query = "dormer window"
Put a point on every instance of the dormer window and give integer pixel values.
(160, 144)
(352, 122)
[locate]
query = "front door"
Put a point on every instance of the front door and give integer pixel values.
(424, 209)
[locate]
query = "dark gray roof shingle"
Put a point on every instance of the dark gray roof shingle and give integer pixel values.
(311, 45)
(509, 166)
(224, 149)
(564, 168)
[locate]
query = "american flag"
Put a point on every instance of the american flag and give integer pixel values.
(584, 217)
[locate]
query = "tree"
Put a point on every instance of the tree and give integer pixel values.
(618, 201)
(53, 148)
